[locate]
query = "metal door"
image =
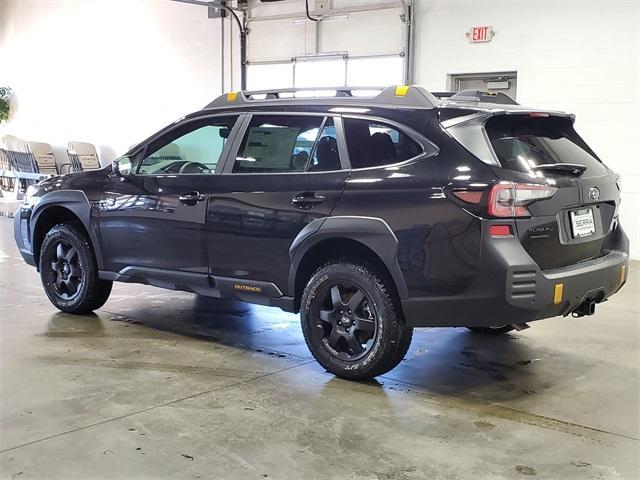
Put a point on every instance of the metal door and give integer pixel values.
(505, 82)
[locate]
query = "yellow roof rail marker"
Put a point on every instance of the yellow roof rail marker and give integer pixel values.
(557, 293)
(231, 96)
(401, 90)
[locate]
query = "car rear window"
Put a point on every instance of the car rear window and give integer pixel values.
(522, 142)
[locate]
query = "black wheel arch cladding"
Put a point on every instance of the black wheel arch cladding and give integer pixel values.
(77, 203)
(372, 232)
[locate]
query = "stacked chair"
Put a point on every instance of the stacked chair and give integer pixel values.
(6, 166)
(23, 169)
(45, 160)
(82, 156)
(23, 163)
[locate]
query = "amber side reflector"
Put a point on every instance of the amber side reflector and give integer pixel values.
(623, 268)
(469, 196)
(231, 96)
(401, 90)
(500, 230)
(557, 293)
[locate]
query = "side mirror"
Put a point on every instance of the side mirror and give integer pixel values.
(121, 167)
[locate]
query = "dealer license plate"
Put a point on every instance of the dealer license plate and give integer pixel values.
(582, 224)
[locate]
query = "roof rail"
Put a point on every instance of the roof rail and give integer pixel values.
(483, 96)
(291, 92)
(403, 95)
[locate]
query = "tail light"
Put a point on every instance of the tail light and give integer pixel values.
(508, 199)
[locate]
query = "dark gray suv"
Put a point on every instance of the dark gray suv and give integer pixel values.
(368, 215)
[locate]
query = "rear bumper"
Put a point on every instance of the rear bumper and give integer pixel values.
(510, 288)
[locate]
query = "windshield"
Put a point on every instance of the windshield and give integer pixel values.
(522, 143)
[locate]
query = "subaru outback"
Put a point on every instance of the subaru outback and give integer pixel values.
(369, 215)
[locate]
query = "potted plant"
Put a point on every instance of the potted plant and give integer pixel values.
(5, 96)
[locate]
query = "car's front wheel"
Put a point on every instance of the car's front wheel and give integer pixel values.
(351, 323)
(69, 272)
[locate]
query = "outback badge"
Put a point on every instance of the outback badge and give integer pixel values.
(247, 288)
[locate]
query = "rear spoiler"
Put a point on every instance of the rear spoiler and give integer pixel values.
(482, 116)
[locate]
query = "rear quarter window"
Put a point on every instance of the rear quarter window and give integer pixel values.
(372, 143)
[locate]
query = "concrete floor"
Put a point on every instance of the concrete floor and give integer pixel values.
(162, 384)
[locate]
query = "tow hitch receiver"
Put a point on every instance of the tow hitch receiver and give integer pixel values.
(588, 307)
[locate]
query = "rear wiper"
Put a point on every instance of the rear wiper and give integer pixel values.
(573, 168)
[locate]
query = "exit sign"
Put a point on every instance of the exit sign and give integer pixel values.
(480, 34)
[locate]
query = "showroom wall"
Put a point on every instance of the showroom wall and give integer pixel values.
(112, 72)
(107, 72)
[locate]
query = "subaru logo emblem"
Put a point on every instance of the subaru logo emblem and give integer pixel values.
(594, 193)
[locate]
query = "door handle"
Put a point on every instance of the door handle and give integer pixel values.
(307, 200)
(191, 198)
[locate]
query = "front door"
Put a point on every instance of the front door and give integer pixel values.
(155, 216)
(287, 172)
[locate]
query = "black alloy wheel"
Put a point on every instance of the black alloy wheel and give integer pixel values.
(346, 321)
(67, 271)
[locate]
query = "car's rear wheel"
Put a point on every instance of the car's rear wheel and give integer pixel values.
(492, 330)
(69, 272)
(350, 322)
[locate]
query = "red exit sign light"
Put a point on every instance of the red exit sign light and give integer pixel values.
(480, 34)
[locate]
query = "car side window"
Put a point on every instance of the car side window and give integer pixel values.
(278, 144)
(325, 155)
(371, 143)
(192, 148)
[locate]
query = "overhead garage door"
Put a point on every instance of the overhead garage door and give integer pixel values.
(285, 49)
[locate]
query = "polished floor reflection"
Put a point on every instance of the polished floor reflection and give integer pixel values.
(162, 384)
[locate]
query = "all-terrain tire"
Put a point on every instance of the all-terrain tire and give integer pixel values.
(69, 272)
(388, 344)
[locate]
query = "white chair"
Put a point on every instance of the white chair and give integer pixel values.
(44, 157)
(83, 156)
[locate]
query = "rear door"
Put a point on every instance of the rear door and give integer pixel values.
(284, 172)
(573, 225)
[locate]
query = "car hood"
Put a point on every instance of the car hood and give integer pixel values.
(89, 181)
